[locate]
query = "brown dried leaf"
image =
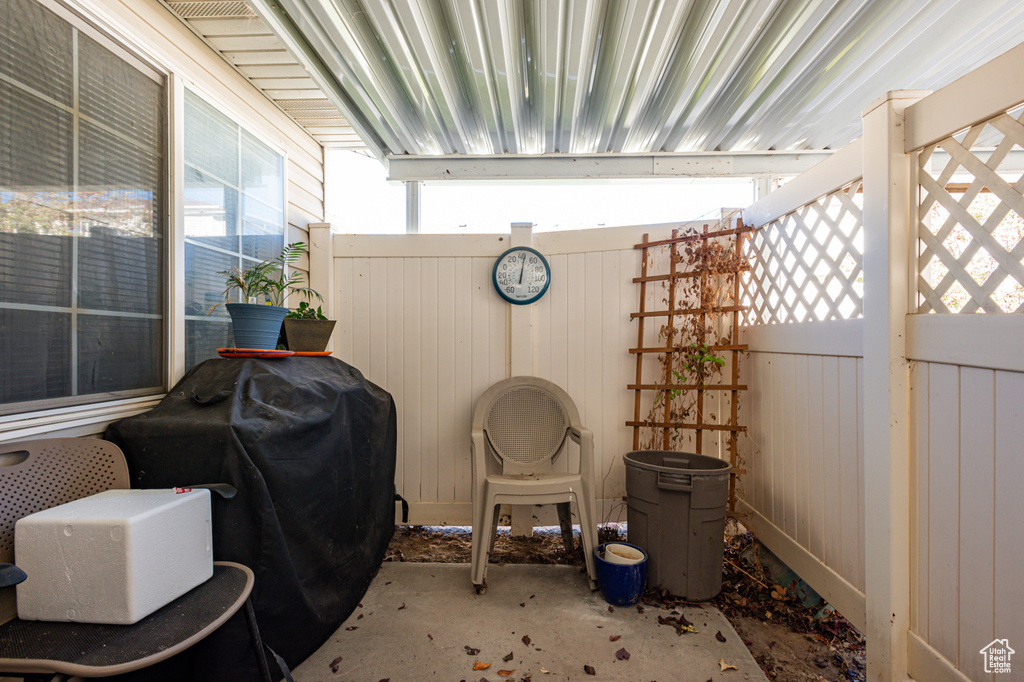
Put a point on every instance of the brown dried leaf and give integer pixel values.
(726, 666)
(335, 663)
(589, 669)
(507, 657)
(506, 673)
(719, 636)
(470, 651)
(614, 638)
(402, 606)
(481, 666)
(622, 655)
(545, 670)
(526, 640)
(350, 628)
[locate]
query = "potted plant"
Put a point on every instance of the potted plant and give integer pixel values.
(307, 329)
(256, 321)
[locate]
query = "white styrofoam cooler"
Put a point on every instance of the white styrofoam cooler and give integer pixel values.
(114, 557)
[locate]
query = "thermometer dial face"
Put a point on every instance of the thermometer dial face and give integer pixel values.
(521, 275)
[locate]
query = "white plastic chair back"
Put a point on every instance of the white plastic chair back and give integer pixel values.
(40, 474)
(526, 427)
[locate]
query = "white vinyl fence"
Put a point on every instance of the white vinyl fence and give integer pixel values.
(886, 458)
(418, 315)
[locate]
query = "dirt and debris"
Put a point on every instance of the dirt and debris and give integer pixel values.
(791, 642)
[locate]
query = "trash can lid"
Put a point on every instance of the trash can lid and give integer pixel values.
(668, 461)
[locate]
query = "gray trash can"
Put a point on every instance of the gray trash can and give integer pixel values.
(676, 512)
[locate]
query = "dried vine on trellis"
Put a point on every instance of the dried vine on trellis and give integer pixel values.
(710, 268)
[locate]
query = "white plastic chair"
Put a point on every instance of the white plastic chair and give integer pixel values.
(523, 423)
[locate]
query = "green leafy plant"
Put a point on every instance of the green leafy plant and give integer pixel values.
(266, 281)
(306, 312)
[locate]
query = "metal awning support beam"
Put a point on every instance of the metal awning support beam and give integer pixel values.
(596, 166)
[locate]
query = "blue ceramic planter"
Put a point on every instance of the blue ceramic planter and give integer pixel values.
(621, 584)
(255, 325)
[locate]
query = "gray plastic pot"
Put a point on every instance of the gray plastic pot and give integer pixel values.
(308, 336)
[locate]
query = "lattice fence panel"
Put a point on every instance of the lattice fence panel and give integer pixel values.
(971, 221)
(808, 264)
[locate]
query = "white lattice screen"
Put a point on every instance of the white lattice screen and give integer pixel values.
(808, 264)
(971, 222)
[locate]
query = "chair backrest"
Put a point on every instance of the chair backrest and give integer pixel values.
(526, 420)
(40, 474)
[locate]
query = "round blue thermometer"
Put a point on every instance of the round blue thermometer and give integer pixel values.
(521, 275)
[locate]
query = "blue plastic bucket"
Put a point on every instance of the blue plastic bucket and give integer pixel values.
(621, 584)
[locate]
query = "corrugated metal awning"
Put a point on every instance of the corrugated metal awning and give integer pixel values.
(572, 77)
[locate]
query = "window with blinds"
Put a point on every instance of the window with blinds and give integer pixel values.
(234, 217)
(82, 250)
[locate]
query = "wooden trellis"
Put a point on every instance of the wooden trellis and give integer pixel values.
(668, 384)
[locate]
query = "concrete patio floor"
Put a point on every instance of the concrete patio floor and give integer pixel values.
(416, 620)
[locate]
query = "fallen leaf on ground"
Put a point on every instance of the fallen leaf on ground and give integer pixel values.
(726, 666)
(526, 640)
(388, 582)
(386, 679)
(506, 673)
(719, 636)
(523, 604)
(589, 669)
(481, 666)
(359, 616)
(335, 663)
(614, 638)
(430, 637)
(402, 606)
(350, 628)
(507, 657)
(639, 608)
(470, 651)
(545, 670)
(611, 609)
(622, 655)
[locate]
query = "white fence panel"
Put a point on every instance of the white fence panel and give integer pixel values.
(803, 491)
(417, 314)
(969, 525)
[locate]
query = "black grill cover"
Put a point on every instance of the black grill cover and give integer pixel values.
(310, 446)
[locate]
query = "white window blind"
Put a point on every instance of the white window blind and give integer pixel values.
(82, 277)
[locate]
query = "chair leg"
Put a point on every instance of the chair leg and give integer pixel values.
(493, 535)
(565, 521)
(257, 641)
(588, 535)
(484, 513)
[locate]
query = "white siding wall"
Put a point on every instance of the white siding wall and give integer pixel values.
(156, 36)
(417, 314)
